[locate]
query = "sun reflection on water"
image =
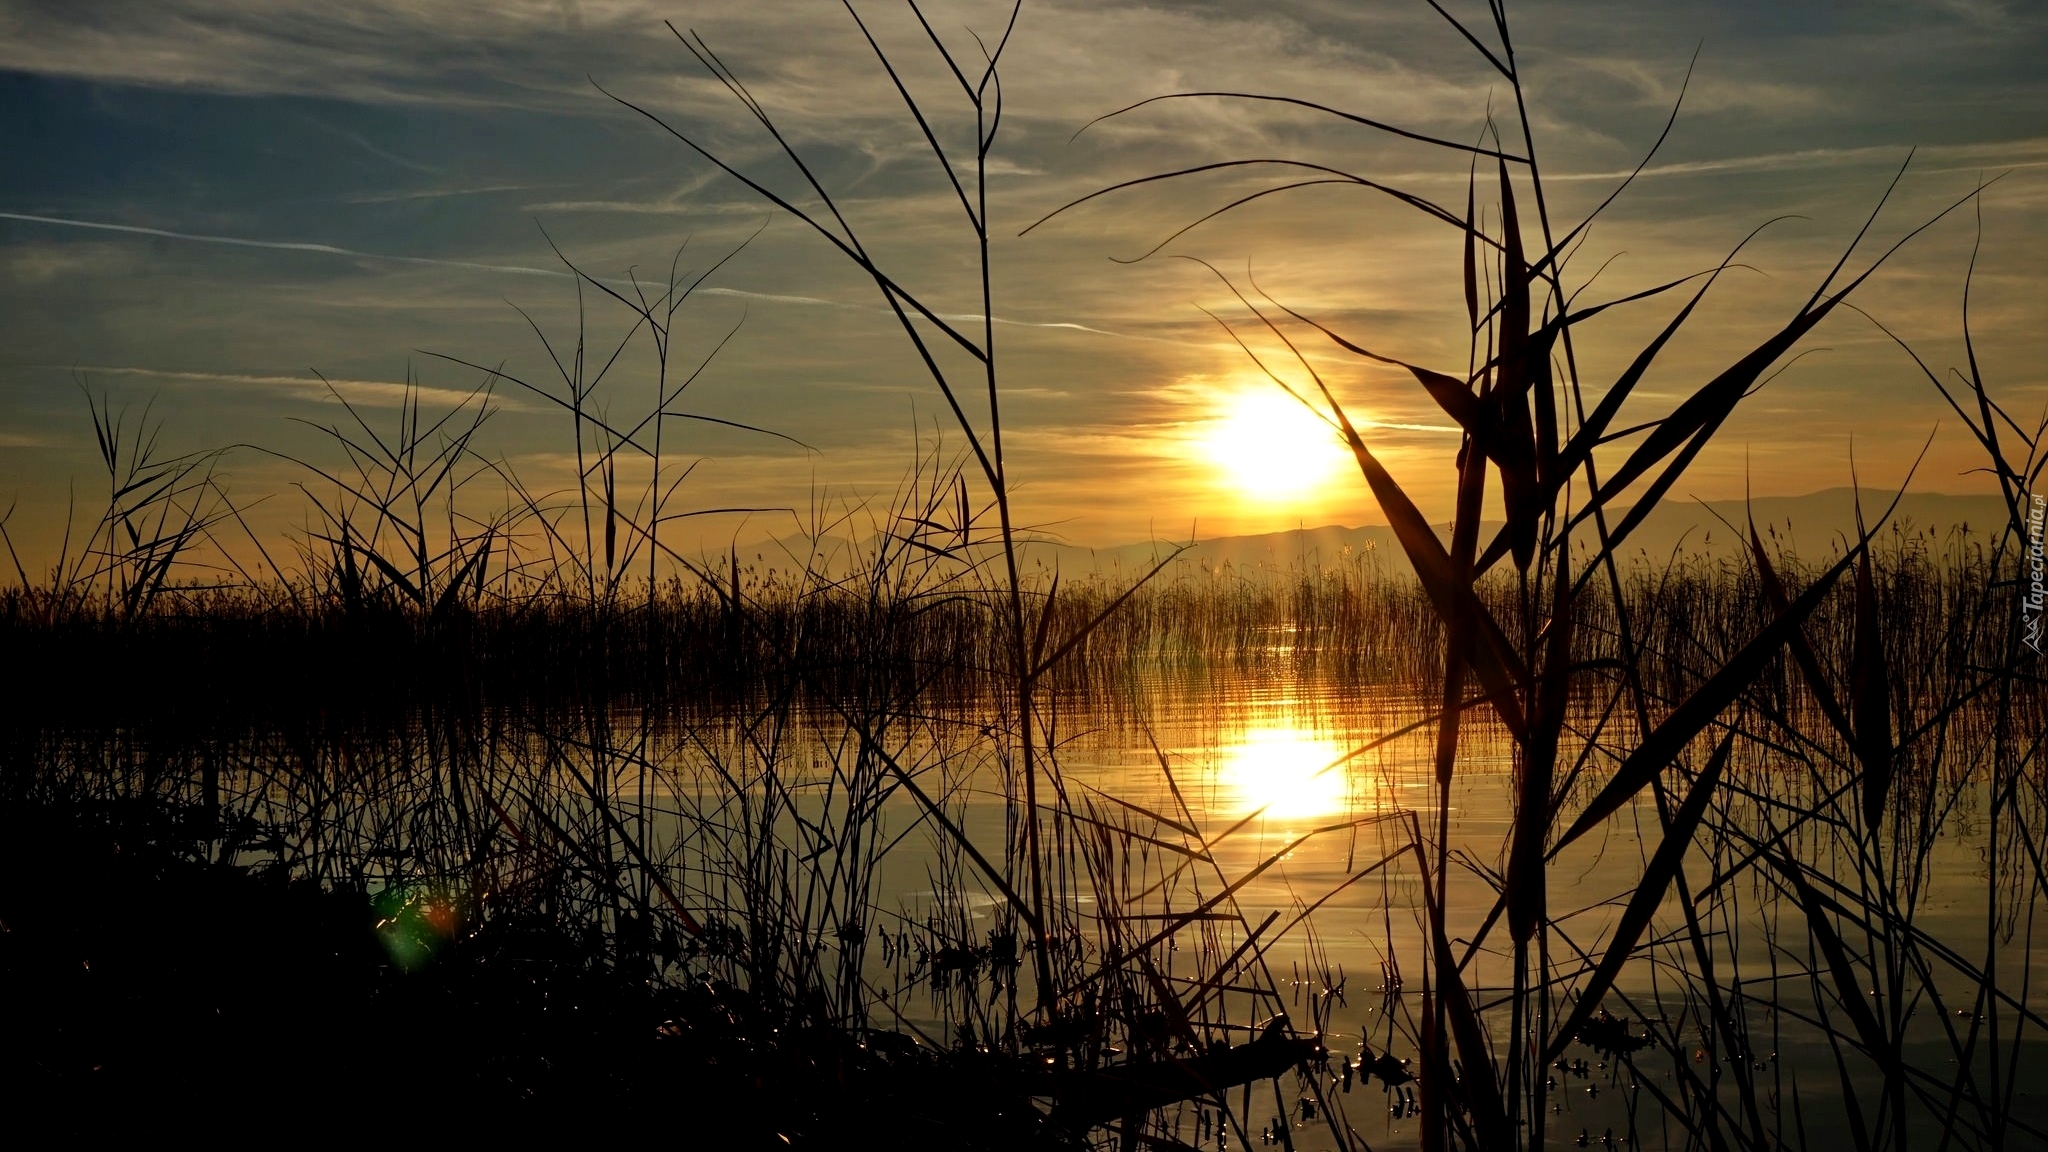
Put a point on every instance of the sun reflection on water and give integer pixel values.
(1291, 773)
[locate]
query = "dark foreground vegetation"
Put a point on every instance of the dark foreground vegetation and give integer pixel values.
(157, 990)
(385, 870)
(472, 817)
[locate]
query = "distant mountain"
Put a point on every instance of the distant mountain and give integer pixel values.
(1811, 526)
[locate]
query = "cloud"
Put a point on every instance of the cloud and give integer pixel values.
(392, 155)
(318, 249)
(277, 245)
(430, 193)
(663, 207)
(310, 386)
(1992, 155)
(530, 54)
(37, 263)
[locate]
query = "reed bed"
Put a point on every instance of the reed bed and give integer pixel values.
(251, 653)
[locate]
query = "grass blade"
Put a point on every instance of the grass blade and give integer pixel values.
(1491, 656)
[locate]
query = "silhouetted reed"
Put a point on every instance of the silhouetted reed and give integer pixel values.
(1691, 690)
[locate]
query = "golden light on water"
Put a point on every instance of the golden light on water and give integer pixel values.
(1267, 447)
(1283, 770)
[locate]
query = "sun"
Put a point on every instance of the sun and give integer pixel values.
(1267, 447)
(1286, 772)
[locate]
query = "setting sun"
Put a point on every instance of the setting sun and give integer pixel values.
(1282, 770)
(1268, 447)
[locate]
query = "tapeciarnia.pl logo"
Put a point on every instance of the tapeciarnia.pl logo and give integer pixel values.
(2037, 574)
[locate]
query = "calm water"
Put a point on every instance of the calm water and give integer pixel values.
(1265, 758)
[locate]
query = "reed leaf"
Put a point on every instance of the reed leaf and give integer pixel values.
(1802, 649)
(1848, 986)
(1664, 743)
(1451, 394)
(1535, 807)
(1516, 440)
(1471, 239)
(1481, 1085)
(1492, 658)
(1643, 903)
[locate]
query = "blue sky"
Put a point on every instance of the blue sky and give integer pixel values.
(206, 201)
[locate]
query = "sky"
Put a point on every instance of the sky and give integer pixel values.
(208, 206)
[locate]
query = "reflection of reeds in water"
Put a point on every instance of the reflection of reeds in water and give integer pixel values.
(505, 717)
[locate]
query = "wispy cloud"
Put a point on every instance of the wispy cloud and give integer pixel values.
(430, 194)
(2026, 153)
(309, 386)
(318, 249)
(278, 245)
(663, 207)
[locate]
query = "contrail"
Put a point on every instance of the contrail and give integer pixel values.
(278, 245)
(509, 269)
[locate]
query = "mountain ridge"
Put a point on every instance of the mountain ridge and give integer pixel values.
(1811, 526)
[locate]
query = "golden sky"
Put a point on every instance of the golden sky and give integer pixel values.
(208, 201)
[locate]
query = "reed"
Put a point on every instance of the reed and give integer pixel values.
(1697, 681)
